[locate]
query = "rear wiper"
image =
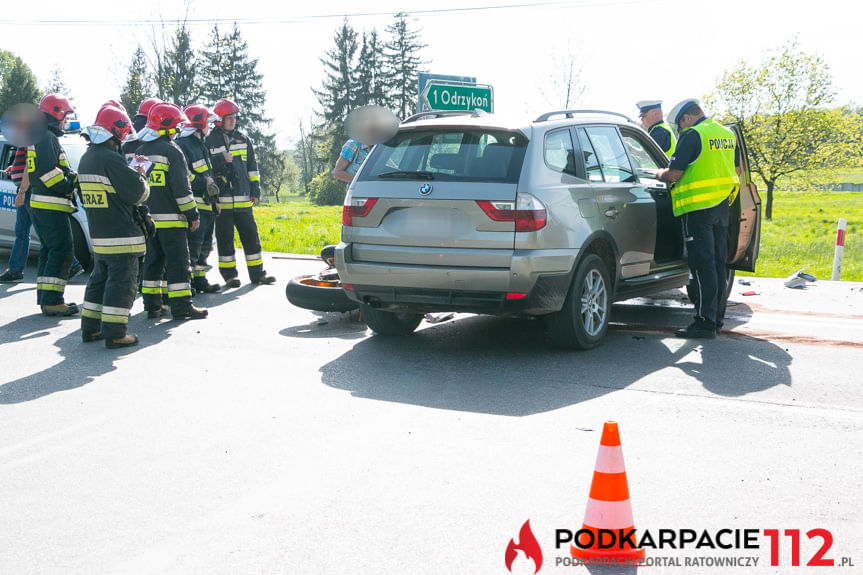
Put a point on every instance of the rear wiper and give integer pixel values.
(407, 174)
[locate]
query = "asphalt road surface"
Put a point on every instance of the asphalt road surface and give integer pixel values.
(270, 439)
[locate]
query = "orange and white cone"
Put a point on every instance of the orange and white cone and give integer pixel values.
(609, 512)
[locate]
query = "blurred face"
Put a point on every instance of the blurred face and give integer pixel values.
(651, 117)
(229, 122)
(62, 123)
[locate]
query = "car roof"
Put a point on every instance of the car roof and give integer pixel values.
(547, 121)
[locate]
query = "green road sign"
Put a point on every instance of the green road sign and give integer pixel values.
(445, 96)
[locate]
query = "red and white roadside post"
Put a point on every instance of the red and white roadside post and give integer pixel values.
(840, 247)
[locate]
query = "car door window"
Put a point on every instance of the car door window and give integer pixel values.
(639, 153)
(559, 153)
(611, 153)
(591, 161)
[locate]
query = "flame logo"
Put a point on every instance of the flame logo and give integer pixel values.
(527, 544)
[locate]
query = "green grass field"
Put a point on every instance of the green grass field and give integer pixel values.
(297, 226)
(801, 234)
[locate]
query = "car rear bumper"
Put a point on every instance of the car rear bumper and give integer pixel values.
(544, 275)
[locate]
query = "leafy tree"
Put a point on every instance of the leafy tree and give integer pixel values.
(338, 95)
(780, 106)
(325, 190)
(6, 60)
(401, 65)
(371, 82)
(19, 86)
(138, 86)
(278, 172)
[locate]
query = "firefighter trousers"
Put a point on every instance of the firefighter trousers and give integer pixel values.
(56, 255)
(200, 246)
(109, 296)
(244, 220)
(167, 255)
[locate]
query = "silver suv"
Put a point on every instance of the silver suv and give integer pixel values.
(557, 218)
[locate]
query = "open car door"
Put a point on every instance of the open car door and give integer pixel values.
(744, 221)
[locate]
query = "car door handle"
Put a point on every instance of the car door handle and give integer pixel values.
(612, 212)
(658, 192)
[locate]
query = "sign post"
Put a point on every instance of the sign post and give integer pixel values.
(448, 95)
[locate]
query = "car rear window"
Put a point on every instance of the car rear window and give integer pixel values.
(453, 154)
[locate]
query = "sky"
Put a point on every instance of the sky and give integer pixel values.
(627, 50)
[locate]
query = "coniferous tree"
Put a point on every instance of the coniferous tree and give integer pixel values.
(402, 64)
(231, 73)
(138, 85)
(338, 95)
(19, 86)
(371, 82)
(180, 71)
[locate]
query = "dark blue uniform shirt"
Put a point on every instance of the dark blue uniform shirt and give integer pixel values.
(660, 136)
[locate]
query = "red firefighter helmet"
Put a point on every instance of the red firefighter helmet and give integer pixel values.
(116, 104)
(163, 118)
(115, 120)
(147, 104)
(55, 106)
(225, 107)
(197, 115)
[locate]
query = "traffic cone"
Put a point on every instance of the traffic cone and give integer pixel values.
(608, 516)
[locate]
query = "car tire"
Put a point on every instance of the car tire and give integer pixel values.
(389, 322)
(729, 283)
(309, 292)
(80, 247)
(583, 321)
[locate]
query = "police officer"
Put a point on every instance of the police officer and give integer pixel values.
(52, 184)
(110, 192)
(650, 114)
(703, 169)
(172, 208)
(206, 193)
(236, 174)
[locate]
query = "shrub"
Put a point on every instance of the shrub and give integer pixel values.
(325, 190)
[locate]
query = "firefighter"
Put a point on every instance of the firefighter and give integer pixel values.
(110, 192)
(206, 193)
(139, 126)
(52, 185)
(236, 174)
(172, 208)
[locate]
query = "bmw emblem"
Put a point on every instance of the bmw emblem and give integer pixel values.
(426, 189)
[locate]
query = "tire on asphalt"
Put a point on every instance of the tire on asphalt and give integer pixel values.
(388, 322)
(583, 321)
(309, 292)
(80, 247)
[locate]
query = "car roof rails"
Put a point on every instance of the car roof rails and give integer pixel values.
(572, 113)
(431, 114)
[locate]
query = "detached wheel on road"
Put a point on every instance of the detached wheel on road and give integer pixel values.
(389, 322)
(80, 248)
(729, 283)
(319, 294)
(583, 321)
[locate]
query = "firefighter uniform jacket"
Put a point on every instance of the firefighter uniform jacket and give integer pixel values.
(239, 181)
(198, 159)
(171, 202)
(52, 181)
(110, 190)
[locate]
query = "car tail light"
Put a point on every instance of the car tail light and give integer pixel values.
(358, 208)
(514, 295)
(349, 287)
(527, 212)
